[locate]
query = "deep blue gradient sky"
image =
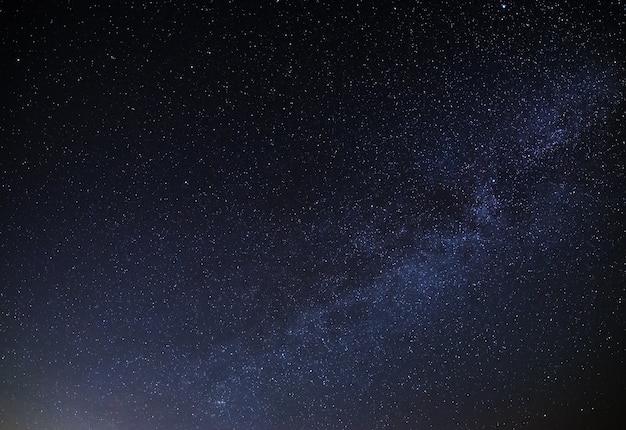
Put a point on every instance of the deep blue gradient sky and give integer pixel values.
(302, 215)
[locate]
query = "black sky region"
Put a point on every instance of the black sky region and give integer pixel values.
(312, 215)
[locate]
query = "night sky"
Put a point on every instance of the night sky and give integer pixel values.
(303, 215)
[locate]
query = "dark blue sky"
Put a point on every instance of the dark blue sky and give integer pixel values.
(302, 215)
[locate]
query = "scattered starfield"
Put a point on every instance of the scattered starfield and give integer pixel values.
(312, 215)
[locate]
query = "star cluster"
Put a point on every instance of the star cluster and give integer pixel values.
(311, 215)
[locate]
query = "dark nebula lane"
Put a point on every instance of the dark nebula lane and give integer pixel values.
(307, 215)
